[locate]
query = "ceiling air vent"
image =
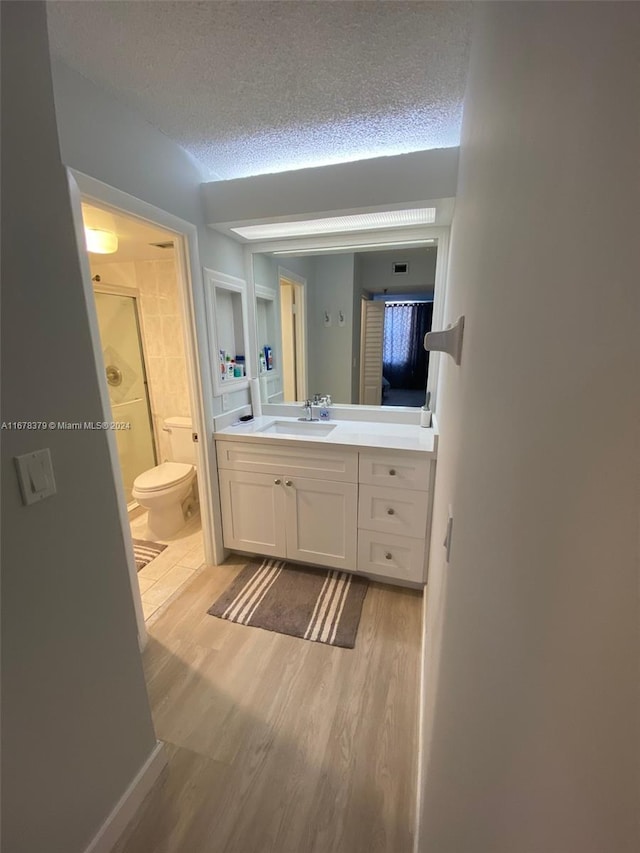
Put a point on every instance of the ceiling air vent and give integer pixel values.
(400, 268)
(166, 244)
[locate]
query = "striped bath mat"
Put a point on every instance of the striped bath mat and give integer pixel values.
(315, 604)
(145, 551)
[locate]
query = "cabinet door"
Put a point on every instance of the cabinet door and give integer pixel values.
(253, 512)
(321, 522)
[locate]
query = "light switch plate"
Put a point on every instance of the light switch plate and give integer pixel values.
(449, 536)
(35, 475)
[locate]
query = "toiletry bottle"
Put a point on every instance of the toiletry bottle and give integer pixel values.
(268, 357)
(325, 414)
(263, 363)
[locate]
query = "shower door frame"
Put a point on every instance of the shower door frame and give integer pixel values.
(134, 293)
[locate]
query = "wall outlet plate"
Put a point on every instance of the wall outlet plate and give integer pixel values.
(225, 402)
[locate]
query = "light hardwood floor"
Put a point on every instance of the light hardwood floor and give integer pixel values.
(276, 744)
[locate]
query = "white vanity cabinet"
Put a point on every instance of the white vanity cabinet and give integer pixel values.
(301, 504)
(362, 510)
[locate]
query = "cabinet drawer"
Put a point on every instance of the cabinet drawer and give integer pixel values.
(399, 470)
(303, 461)
(391, 556)
(398, 511)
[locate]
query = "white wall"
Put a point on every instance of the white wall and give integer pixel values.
(377, 270)
(76, 721)
(103, 138)
(394, 181)
(531, 735)
(330, 347)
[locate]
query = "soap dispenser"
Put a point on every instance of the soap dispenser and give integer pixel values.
(325, 414)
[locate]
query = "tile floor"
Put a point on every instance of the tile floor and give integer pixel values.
(161, 579)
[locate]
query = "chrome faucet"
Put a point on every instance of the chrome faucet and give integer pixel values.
(308, 411)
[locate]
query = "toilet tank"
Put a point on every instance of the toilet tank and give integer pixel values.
(182, 446)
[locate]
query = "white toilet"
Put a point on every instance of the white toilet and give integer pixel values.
(168, 491)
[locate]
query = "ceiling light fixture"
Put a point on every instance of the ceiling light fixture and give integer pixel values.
(100, 242)
(378, 245)
(338, 224)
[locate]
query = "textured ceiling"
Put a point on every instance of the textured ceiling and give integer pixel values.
(254, 87)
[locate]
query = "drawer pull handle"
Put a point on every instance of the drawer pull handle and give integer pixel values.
(277, 482)
(391, 511)
(392, 472)
(288, 483)
(388, 555)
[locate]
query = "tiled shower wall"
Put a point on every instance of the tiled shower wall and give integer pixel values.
(162, 331)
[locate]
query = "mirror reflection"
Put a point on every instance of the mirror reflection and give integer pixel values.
(350, 325)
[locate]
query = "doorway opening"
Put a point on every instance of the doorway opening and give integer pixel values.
(405, 362)
(136, 282)
(293, 326)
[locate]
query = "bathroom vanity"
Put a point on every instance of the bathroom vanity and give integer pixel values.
(350, 495)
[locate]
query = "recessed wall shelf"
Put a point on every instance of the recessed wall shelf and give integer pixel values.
(267, 326)
(226, 301)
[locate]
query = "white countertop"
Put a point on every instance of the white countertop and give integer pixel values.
(353, 434)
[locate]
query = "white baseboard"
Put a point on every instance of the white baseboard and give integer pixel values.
(129, 802)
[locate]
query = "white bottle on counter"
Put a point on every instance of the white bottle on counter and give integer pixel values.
(324, 413)
(425, 417)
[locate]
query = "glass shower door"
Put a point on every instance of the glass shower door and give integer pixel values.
(127, 383)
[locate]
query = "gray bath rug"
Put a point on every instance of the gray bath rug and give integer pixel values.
(320, 605)
(145, 551)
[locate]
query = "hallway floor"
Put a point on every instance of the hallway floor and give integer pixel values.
(160, 579)
(276, 744)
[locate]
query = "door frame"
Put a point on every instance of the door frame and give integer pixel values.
(299, 285)
(191, 293)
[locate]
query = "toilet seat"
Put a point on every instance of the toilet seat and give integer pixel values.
(163, 476)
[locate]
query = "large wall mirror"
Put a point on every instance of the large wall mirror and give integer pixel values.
(348, 324)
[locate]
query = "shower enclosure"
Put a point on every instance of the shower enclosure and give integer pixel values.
(123, 355)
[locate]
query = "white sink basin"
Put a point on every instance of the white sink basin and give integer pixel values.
(310, 428)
